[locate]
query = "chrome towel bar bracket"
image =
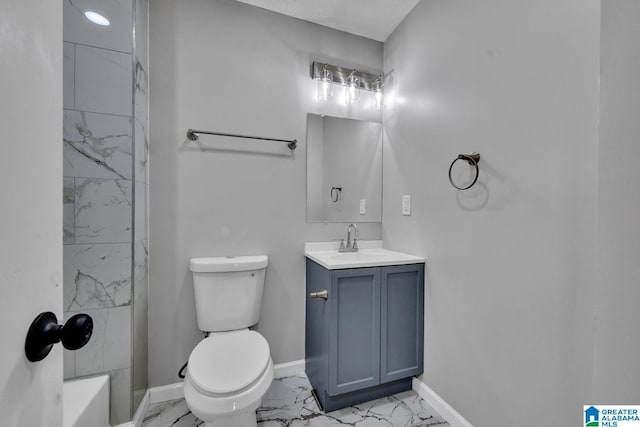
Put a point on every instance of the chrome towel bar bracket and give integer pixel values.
(193, 135)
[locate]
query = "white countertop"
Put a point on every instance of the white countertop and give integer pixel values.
(370, 254)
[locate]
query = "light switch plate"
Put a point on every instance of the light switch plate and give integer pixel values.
(406, 204)
(363, 206)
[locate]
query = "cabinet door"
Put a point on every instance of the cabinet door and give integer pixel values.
(402, 321)
(354, 345)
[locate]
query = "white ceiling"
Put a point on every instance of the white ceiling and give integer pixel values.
(374, 19)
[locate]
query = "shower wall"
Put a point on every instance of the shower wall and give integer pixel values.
(105, 191)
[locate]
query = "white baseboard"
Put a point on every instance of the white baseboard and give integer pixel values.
(165, 393)
(436, 402)
(174, 391)
(287, 369)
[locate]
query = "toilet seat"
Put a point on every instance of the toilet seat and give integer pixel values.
(228, 362)
(218, 408)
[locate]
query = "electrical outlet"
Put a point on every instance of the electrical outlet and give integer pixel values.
(363, 206)
(406, 204)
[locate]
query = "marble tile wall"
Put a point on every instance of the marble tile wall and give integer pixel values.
(97, 145)
(102, 210)
(97, 276)
(105, 190)
(103, 80)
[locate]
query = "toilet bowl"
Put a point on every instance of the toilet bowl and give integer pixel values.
(227, 375)
(230, 370)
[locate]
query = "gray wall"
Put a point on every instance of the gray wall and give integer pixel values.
(510, 263)
(225, 66)
(617, 372)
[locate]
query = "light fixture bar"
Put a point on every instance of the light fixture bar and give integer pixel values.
(341, 75)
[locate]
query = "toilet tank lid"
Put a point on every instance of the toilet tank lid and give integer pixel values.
(226, 264)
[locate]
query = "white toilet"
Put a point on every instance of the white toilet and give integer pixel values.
(231, 369)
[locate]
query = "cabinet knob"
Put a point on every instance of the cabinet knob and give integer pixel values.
(324, 294)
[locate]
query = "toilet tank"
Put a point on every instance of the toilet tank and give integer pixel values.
(228, 291)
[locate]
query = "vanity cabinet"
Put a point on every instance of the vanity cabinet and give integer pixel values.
(365, 340)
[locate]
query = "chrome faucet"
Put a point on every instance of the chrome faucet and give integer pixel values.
(351, 246)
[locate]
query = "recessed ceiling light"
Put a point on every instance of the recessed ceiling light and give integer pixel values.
(96, 18)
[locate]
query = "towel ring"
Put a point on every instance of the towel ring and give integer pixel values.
(335, 194)
(471, 158)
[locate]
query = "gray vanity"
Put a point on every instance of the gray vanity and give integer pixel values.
(364, 335)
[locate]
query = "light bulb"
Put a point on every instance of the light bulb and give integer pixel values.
(352, 90)
(325, 85)
(96, 18)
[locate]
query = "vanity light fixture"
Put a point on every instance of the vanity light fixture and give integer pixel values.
(353, 81)
(96, 18)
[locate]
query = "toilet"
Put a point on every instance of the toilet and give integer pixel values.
(231, 369)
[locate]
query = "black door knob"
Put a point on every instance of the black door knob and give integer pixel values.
(44, 332)
(77, 331)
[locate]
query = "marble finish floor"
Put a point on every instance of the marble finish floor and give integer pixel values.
(289, 403)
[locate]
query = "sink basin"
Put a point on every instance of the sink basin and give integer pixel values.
(369, 256)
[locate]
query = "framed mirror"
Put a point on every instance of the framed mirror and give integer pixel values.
(344, 170)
